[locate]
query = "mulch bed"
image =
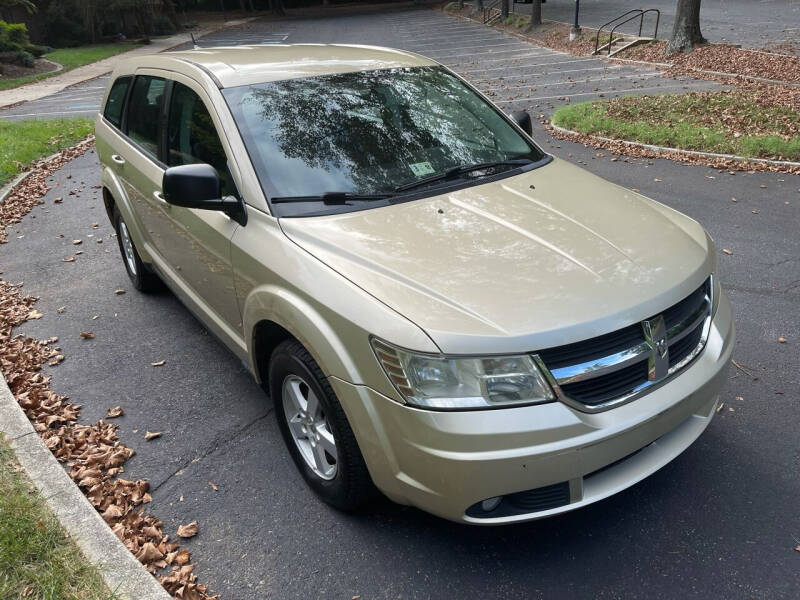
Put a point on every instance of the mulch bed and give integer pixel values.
(93, 454)
(9, 71)
(722, 58)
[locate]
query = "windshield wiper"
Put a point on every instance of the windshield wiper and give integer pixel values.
(462, 170)
(332, 198)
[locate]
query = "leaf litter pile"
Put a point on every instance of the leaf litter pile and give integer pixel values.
(93, 454)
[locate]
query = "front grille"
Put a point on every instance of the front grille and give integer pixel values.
(604, 345)
(606, 370)
(596, 391)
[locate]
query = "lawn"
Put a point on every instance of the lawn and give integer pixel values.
(70, 58)
(726, 122)
(37, 560)
(23, 142)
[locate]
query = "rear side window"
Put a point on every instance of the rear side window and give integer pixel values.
(144, 112)
(116, 100)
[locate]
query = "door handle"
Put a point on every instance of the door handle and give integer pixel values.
(160, 197)
(118, 159)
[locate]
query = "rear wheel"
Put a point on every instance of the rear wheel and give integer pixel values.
(141, 276)
(316, 430)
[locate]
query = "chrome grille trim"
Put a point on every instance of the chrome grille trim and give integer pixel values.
(655, 352)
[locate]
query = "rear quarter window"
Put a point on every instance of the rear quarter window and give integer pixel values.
(116, 100)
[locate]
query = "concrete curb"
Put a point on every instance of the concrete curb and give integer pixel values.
(123, 574)
(667, 149)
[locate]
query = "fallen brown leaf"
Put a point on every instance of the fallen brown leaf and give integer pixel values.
(113, 413)
(118, 292)
(187, 531)
(726, 251)
(76, 242)
(158, 363)
(213, 486)
(151, 435)
(87, 335)
(68, 259)
(782, 340)
(34, 315)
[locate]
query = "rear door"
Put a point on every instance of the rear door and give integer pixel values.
(139, 164)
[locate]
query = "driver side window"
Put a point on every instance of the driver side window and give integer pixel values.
(192, 137)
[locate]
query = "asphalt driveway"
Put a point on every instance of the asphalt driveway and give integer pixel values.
(722, 520)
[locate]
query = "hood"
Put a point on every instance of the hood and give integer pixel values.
(545, 258)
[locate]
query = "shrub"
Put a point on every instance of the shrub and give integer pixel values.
(38, 50)
(17, 57)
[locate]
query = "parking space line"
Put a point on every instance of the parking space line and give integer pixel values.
(487, 46)
(604, 92)
(538, 64)
(571, 81)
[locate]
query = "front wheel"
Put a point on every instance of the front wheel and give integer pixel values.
(316, 430)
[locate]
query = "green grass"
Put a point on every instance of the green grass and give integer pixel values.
(22, 142)
(721, 122)
(37, 560)
(69, 58)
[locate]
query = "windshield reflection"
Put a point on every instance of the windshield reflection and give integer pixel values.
(367, 132)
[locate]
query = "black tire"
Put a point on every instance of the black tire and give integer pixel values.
(351, 487)
(141, 275)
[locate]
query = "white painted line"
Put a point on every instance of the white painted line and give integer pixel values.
(507, 59)
(545, 64)
(543, 74)
(571, 81)
(60, 112)
(604, 92)
(487, 46)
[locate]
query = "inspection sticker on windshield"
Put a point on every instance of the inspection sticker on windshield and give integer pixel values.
(421, 168)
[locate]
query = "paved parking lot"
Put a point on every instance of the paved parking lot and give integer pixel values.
(722, 520)
(513, 72)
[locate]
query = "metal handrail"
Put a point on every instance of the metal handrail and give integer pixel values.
(641, 22)
(637, 12)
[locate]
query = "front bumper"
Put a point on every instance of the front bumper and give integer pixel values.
(445, 462)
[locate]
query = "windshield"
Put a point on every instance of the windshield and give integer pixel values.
(368, 133)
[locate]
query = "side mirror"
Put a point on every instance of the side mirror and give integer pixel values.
(523, 119)
(198, 186)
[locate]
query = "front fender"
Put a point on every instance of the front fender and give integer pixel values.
(305, 323)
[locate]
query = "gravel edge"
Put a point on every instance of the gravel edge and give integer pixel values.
(668, 150)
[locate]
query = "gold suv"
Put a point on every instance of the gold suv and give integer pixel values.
(439, 309)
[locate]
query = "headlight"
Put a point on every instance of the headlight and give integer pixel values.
(442, 382)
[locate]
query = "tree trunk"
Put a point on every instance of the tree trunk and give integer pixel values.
(504, 9)
(460, 4)
(536, 13)
(686, 31)
(477, 7)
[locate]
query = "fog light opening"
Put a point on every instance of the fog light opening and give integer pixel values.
(490, 504)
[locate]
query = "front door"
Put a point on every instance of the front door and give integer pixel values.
(196, 243)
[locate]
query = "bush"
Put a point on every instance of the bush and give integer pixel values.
(38, 50)
(13, 37)
(17, 57)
